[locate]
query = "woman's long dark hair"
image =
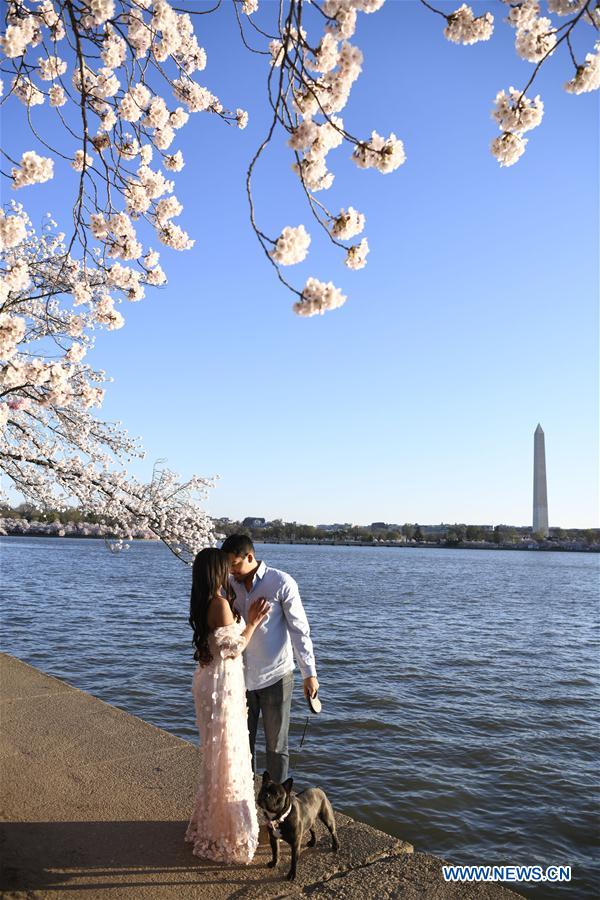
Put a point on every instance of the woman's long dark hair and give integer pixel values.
(210, 574)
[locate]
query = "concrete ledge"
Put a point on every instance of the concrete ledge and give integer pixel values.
(95, 804)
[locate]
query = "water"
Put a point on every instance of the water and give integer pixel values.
(459, 687)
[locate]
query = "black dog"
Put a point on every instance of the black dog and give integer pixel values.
(292, 815)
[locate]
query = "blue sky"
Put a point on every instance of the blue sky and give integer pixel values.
(475, 318)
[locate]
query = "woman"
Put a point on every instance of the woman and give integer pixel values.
(224, 826)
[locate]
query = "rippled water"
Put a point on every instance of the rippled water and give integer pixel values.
(459, 687)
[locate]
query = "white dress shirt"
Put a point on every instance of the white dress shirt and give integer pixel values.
(268, 656)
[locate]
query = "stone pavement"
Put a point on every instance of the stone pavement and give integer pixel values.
(94, 804)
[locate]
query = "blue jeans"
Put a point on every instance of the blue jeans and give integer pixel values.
(275, 703)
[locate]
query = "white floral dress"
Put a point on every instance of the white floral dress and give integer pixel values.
(224, 825)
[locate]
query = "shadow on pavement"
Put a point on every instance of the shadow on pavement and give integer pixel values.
(48, 855)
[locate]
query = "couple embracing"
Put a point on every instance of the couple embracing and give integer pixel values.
(240, 605)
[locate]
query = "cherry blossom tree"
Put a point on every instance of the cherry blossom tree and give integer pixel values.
(122, 77)
(537, 38)
(52, 447)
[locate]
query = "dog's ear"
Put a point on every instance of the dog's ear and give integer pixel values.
(266, 777)
(287, 785)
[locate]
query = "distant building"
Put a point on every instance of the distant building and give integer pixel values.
(337, 526)
(379, 526)
(254, 522)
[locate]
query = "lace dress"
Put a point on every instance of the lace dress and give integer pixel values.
(224, 825)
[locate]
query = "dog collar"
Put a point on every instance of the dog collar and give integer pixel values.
(274, 824)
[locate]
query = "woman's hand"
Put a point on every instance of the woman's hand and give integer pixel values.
(258, 611)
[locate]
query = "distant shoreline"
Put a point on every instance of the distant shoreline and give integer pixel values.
(466, 545)
(553, 547)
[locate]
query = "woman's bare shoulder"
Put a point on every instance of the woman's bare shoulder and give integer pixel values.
(219, 613)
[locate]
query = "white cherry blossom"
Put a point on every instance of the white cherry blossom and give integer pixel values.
(383, 154)
(12, 230)
(12, 330)
(57, 95)
(508, 148)
(535, 40)
(114, 49)
(587, 76)
(318, 297)
(33, 169)
(51, 67)
(17, 37)
(466, 28)
(99, 10)
(517, 113)
(291, 246)
(522, 15)
(27, 92)
(327, 54)
(175, 237)
(347, 224)
(357, 255)
(78, 161)
(565, 7)
(314, 174)
(174, 162)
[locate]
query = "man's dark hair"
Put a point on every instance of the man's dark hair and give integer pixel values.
(238, 544)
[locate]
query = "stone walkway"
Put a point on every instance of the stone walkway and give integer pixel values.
(94, 804)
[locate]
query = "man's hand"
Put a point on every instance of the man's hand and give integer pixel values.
(311, 686)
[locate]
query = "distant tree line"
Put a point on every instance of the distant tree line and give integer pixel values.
(68, 516)
(278, 530)
(447, 535)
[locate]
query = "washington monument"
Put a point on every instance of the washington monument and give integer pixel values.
(540, 493)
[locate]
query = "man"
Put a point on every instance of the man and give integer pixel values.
(268, 659)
